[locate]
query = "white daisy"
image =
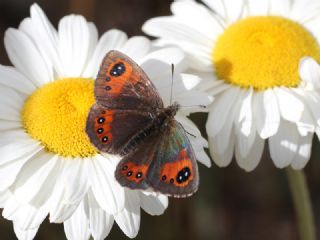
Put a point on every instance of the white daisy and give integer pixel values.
(248, 52)
(48, 165)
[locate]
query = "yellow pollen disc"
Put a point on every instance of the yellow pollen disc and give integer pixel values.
(263, 52)
(56, 114)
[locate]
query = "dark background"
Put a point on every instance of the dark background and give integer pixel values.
(230, 204)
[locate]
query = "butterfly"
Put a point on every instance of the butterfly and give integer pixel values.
(129, 119)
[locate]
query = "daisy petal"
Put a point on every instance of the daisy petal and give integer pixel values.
(74, 44)
(107, 191)
(34, 176)
(196, 46)
(222, 159)
(301, 7)
(136, 47)
(310, 72)
(46, 37)
(244, 122)
(25, 234)
(100, 222)
(25, 56)
(244, 143)
(285, 99)
(221, 140)
(77, 226)
(312, 100)
(94, 35)
(24, 215)
(11, 151)
(153, 204)
(129, 218)
(304, 152)
(218, 7)
(6, 125)
(27, 26)
(11, 98)
(111, 40)
(280, 8)
(157, 65)
(267, 114)
(230, 11)
(75, 176)
(258, 8)
(307, 124)
(70, 189)
(4, 197)
(10, 77)
(252, 159)
(284, 144)
(209, 25)
(220, 111)
(203, 157)
(60, 212)
(12, 167)
(175, 29)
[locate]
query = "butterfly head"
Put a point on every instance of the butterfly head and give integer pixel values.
(172, 110)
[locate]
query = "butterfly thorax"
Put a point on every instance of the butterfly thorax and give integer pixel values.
(172, 110)
(166, 115)
(162, 120)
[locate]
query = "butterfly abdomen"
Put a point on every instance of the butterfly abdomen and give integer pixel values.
(138, 138)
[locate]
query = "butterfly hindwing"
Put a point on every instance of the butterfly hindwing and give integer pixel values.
(122, 84)
(164, 161)
(133, 168)
(174, 170)
(110, 130)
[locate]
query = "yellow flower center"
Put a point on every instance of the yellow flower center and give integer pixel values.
(263, 52)
(56, 114)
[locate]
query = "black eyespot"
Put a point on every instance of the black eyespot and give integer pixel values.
(164, 177)
(108, 79)
(101, 120)
(125, 167)
(108, 88)
(118, 69)
(183, 175)
(139, 175)
(105, 139)
(100, 130)
(171, 180)
(129, 173)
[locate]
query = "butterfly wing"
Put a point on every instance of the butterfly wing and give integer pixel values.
(174, 170)
(132, 170)
(112, 130)
(164, 161)
(122, 84)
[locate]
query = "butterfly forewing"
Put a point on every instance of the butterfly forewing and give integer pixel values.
(111, 130)
(122, 84)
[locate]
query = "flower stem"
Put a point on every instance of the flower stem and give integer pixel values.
(302, 203)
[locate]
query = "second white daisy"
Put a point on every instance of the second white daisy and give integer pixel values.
(249, 53)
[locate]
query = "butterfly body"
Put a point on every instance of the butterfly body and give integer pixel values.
(129, 120)
(161, 119)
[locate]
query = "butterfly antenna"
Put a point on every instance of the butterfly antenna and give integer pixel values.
(172, 74)
(192, 106)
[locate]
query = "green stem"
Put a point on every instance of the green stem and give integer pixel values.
(302, 203)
